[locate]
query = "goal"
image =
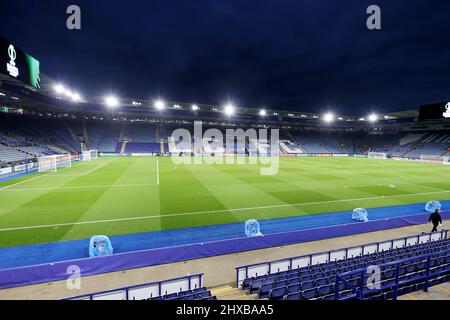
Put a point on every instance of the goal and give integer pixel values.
(89, 155)
(53, 162)
(433, 159)
(377, 155)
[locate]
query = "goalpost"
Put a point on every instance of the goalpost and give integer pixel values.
(377, 155)
(89, 155)
(53, 162)
(433, 159)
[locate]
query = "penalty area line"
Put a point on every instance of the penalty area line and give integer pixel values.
(215, 211)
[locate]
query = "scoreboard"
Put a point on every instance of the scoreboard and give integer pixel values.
(435, 111)
(18, 64)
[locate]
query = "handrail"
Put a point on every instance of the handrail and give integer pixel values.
(127, 289)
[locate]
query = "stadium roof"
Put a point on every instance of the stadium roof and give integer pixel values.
(47, 98)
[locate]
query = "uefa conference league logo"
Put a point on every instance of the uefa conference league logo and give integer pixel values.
(446, 114)
(11, 65)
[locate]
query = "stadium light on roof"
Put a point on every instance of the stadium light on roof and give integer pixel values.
(159, 104)
(111, 101)
(76, 96)
(262, 112)
(373, 117)
(59, 88)
(194, 107)
(229, 109)
(328, 117)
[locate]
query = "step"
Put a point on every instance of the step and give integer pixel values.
(227, 292)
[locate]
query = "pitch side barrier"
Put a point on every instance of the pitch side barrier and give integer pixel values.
(360, 291)
(146, 290)
(253, 270)
(152, 154)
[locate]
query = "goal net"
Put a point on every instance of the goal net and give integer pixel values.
(377, 155)
(53, 162)
(89, 155)
(433, 159)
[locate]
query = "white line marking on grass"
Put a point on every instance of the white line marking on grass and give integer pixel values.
(83, 173)
(83, 187)
(27, 180)
(157, 171)
(159, 216)
(96, 168)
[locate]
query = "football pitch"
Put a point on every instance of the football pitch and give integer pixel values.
(114, 196)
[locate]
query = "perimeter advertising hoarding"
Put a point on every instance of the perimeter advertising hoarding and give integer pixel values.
(18, 64)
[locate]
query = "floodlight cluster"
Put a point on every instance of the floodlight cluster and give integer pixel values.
(111, 101)
(159, 105)
(62, 91)
(328, 117)
(229, 109)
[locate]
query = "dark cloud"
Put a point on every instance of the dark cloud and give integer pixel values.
(299, 55)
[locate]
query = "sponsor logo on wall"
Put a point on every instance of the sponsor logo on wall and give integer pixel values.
(11, 65)
(446, 114)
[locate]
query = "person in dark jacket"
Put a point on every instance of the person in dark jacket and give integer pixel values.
(435, 219)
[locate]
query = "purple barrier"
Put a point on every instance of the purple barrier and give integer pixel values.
(138, 259)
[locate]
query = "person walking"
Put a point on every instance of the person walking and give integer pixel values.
(435, 219)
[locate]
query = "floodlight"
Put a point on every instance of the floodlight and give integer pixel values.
(328, 117)
(76, 96)
(159, 104)
(373, 117)
(262, 112)
(111, 101)
(59, 88)
(229, 109)
(194, 107)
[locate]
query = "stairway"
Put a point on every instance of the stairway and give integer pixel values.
(85, 134)
(227, 292)
(124, 145)
(72, 134)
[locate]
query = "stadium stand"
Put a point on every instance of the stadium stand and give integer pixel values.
(406, 267)
(37, 136)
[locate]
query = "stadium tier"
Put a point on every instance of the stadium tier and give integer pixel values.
(32, 137)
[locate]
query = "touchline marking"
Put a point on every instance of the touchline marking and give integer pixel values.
(83, 187)
(216, 211)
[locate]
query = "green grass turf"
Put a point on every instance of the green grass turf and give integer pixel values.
(124, 191)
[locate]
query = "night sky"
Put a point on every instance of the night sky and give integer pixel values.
(311, 55)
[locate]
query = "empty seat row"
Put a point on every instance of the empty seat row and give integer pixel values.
(195, 294)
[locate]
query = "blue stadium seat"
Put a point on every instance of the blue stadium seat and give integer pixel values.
(293, 296)
(277, 293)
